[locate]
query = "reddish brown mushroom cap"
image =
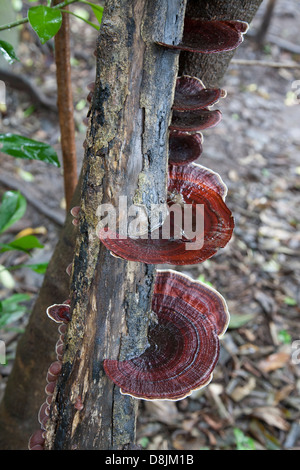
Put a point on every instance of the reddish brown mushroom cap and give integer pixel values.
(37, 440)
(191, 94)
(192, 185)
(199, 295)
(208, 37)
(60, 313)
(183, 345)
(193, 121)
(184, 148)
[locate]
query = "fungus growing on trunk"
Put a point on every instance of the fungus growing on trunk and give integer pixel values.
(210, 225)
(184, 147)
(191, 94)
(210, 36)
(60, 313)
(183, 343)
(193, 121)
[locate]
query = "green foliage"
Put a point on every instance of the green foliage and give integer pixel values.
(97, 10)
(12, 208)
(45, 21)
(290, 301)
(22, 147)
(25, 244)
(7, 50)
(243, 442)
(284, 337)
(11, 308)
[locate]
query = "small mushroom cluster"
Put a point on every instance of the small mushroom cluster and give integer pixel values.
(60, 313)
(190, 317)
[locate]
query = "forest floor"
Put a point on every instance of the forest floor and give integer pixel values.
(253, 400)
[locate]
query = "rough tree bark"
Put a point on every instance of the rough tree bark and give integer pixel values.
(35, 350)
(126, 155)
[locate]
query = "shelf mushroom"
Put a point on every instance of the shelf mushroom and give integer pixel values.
(204, 192)
(198, 120)
(210, 36)
(184, 147)
(183, 345)
(60, 313)
(190, 115)
(191, 94)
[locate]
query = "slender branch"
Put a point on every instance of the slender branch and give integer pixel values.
(66, 107)
(25, 20)
(81, 18)
(266, 63)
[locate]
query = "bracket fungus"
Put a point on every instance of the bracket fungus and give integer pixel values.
(210, 36)
(198, 120)
(183, 343)
(60, 313)
(204, 192)
(191, 94)
(184, 147)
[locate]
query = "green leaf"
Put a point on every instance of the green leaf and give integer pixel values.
(38, 268)
(7, 50)
(12, 208)
(11, 310)
(22, 147)
(284, 337)
(25, 244)
(45, 21)
(97, 10)
(82, 18)
(243, 442)
(290, 301)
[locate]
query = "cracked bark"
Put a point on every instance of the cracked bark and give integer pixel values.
(126, 155)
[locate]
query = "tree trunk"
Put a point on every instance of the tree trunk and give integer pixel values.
(94, 268)
(126, 155)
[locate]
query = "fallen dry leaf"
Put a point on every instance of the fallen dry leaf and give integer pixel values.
(162, 411)
(241, 392)
(272, 416)
(274, 361)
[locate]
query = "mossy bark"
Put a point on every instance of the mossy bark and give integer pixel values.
(126, 155)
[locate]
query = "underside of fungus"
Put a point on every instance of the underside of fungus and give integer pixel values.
(204, 192)
(191, 94)
(183, 342)
(184, 147)
(198, 120)
(206, 37)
